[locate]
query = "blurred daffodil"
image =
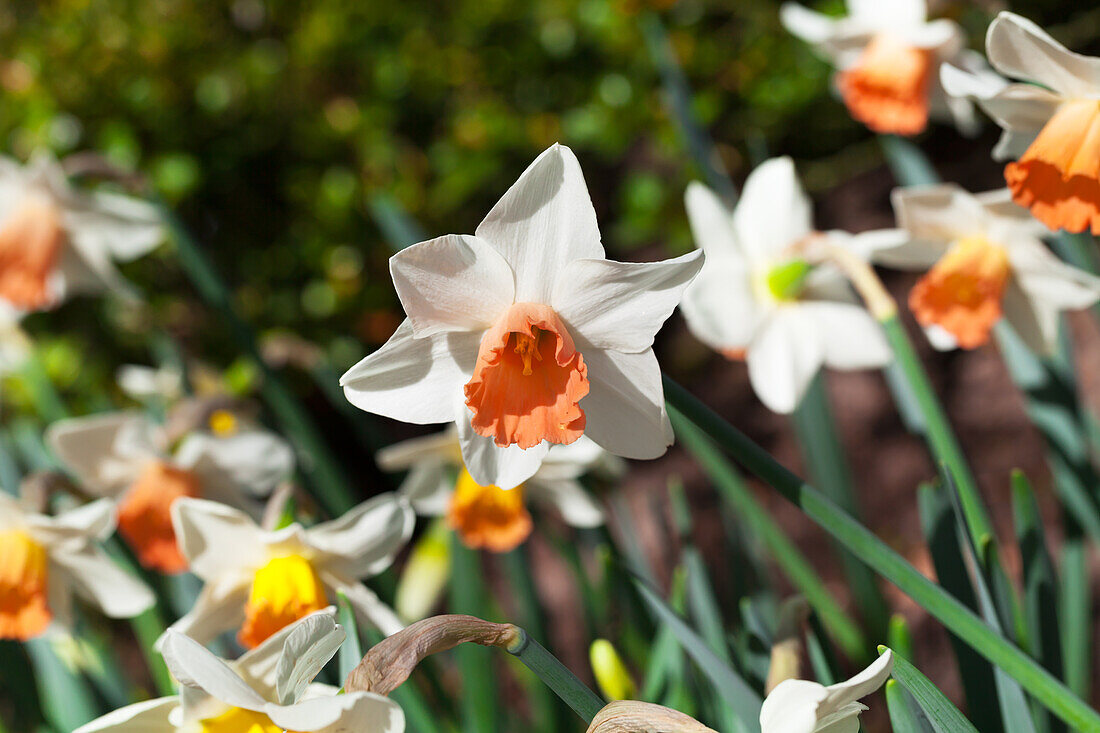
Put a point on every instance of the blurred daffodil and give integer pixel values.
(270, 689)
(764, 294)
(888, 56)
(260, 581)
(800, 706)
(488, 516)
(45, 560)
(1049, 121)
(123, 455)
(145, 383)
(984, 260)
(57, 241)
(525, 335)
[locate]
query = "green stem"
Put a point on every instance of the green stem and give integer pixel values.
(888, 563)
(557, 677)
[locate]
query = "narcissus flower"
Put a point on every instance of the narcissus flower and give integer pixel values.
(488, 516)
(1050, 130)
(800, 706)
(984, 261)
(122, 455)
(525, 336)
(270, 689)
(888, 57)
(764, 297)
(259, 581)
(56, 241)
(45, 560)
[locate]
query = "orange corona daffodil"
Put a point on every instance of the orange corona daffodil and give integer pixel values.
(888, 57)
(123, 456)
(259, 581)
(57, 241)
(524, 334)
(45, 560)
(1051, 132)
(270, 689)
(984, 261)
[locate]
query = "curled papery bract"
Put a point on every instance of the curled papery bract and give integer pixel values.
(31, 239)
(24, 613)
(887, 89)
(632, 716)
(145, 515)
(488, 516)
(1058, 177)
(390, 662)
(528, 380)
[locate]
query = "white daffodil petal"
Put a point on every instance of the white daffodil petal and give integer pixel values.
(863, 684)
(622, 305)
(940, 338)
(1047, 279)
(194, 665)
(543, 222)
(218, 608)
(106, 452)
(938, 213)
(365, 540)
(306, 650)
(413, 379)
(711, 224)
(258, 666)
(850, 337)
(625, 404)
(570, 461)
(889, 13)
(123, 227)
(92, 520)
(809, 25)
(369, 608)
(783, 359)
(577, 507)
(428, 489)
(845, 720)
(252, 462)
(721, 308)
(1035, 324)
(964, 83)
(1020, 49)
(149, 716)
(774, 212)
(792, 707)
(492, 465)
(359, 711)
(218, 541)
(95, 576)
(452, 283)
(406, 454)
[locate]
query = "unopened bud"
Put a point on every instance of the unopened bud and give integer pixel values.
(426, 574)
(611, 674)
(631, 716)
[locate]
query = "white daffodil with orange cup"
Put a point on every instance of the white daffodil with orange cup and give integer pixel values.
(269, 689)
(524, 334)
(765, 294)
(801, 706)
(984, 261)
(46, 560)
(57, 241)
(1051, 121)
(259, 581)
(887, 55)
(122, 455)
(487, 516)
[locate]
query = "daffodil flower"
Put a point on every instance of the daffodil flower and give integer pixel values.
(122, 455)
(800, 706)
(143, 383)
(764, 295)
(525, 335)
(1048, 129)
(56, 241)
(888, 56)
(45, 560)
(269, 689)
(260, 581)
(487, 516)
(15, 344)
(984, 260)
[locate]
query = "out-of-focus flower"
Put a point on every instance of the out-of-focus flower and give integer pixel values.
(268, 690)
(984, 260)
(488, 516)
(425, 575)
(123, 455)
(761, 296)
(148, 383)
(261, 581)
(45, 560)
(1049, 130)
(524, 335)
(56, 241)
(888, 56)
(611, 674)
(800, 706)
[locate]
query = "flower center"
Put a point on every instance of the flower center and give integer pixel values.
(785, 281)
(239, 720)
(283, 591)
(488, 516)
(145, 515)
(887, 88)
(528, 380)
(962, 292)
(223, 423)
(1058, 177)
(23, 574)
(30, 242)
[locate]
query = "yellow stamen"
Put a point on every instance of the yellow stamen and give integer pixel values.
(488, 516)
(223, 423)
(239, 720)
(23, 574)
(526, 347)
(283, 591)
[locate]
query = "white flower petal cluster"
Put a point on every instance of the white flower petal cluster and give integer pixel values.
(800, 706)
